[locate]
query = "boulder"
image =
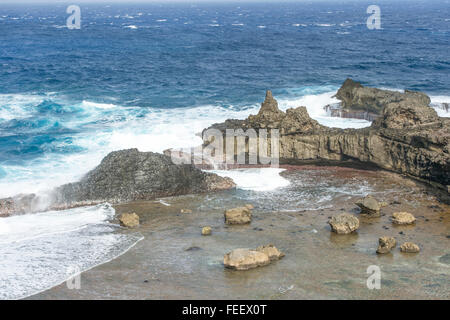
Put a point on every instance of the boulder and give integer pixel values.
(240, 215)
(409, 247)
(344, 223)
(130, 175)
(403, 218)
(185, 211)
(206, 231)
(129, 220)
(249, 206)
(369, 206)
(386, 244)
(244, 259)
(356, 97)
(272, 252)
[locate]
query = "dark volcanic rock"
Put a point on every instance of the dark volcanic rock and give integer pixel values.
(129, 175)
(123, 176)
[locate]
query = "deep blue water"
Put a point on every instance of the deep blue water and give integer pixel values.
(65, 93)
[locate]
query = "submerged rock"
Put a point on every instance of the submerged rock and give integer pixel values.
(369, 206)
(403, 218)
(206, 231)
(344, 223)
(244, 259)
(409, 247)
(386, 244)
(129, 220)
(240, 215)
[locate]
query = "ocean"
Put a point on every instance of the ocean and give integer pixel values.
(152, 76)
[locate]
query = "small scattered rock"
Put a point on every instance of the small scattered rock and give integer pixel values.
(403, 218)
(344, 223)
(241, 215)
(369, 206)
(271, 251)
(244, 259)
(409, 247)
(185, 211)
(129, 220)
(386, 244)
(206, 231)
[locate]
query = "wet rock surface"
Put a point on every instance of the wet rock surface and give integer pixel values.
(344, 223)
(386, 244)
(403, 218)
(369, 205)
(240, 215)
(409, 247)
(129, 220)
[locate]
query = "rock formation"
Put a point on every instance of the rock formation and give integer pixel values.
(241, 215)
(124, 176)
(408, 138)
(356, 97)
(369, 206)
(244, 259)
(129, 220)
(409, 247)
(344, 223)
(403, 218)
(386, 244)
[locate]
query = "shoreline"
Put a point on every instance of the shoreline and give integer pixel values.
(165, 226)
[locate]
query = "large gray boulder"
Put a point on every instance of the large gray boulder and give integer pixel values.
(123, 176)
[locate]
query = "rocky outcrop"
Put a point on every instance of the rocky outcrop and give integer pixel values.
(129, 220)
(124, 176)
(344, 223)
(408, 138)
(241, 215)
(356, 97)
(386, 244)
(403, 218)
(369, 205)
(245, 259)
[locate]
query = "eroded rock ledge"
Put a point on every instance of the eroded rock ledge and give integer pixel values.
(408, 137)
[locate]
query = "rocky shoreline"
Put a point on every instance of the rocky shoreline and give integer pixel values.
(407, 137)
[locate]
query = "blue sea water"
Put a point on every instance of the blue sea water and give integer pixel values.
(152, 75)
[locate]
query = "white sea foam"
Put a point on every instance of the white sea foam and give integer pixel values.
(131, 27)
(255, 179)
(437, 104)
(38, 250)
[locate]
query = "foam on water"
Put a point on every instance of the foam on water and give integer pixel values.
(42, 250)
(255, 179)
